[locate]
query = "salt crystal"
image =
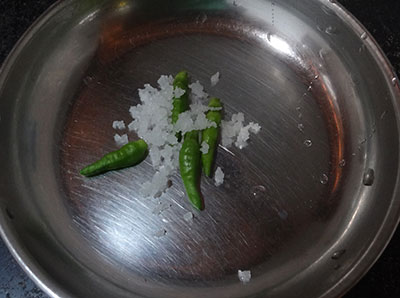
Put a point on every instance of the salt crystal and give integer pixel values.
(204, 148)
(244, 276)
(178, 92)
(215, 79)
(198, 90)
(119, 125)
(234, 131)
(254, 127)
(193, 120)
(155, 156)
(121, 140)
(242, 137)
(165, 81)
(159, 183)
(219, 177)
(188, 217)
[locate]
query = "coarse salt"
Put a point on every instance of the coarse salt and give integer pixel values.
(119, 125)
(121, 140)
(214, 79)
(151, 121)
(219, 177)
(244, 276)
(204, 148)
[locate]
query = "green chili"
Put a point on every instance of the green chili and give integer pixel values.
(190, 168)
(129, 155)
(210, 136)
(180, 104)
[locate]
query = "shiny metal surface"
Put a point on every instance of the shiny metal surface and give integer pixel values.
(307, 206)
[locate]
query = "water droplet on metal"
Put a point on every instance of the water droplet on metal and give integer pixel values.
(309, 88)
(338, 254)
(87, 80)
(308, 143)
(342, 163)
(300, 127)
(331, 30)
(298, 109)
(161, 233)
(362, 48)
(283, 214)
(383, 115)
(258, 191)
(364, 35)
(324, 179)
(316, 77)
(373, 130)
(161, 207)
(269, 36)
(369, 177)
(394, 81)
(322, 54)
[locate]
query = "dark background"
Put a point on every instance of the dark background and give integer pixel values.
(380, 17)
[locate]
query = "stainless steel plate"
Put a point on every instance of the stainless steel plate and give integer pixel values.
(307, 207)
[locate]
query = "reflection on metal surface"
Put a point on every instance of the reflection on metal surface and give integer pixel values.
(281, 46)
(369, 177)
(90, 17)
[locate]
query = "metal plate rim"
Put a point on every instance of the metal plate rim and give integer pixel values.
(364, 263)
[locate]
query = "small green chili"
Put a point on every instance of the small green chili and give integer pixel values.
(180, 104)
(190, 168)
(129, 155)
(210, 136)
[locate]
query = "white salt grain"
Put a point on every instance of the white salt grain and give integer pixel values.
(119, 125)
(242, 138)
(219, 177)
(244, 134)
(121, 140)
(165, 81)
(244, 276)
(188, 217)
(234, 131)
(214, 79)
(178, 92)
(254, 127)
(204, 148)
(198, 90)
(158, 185)
(194, 119)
